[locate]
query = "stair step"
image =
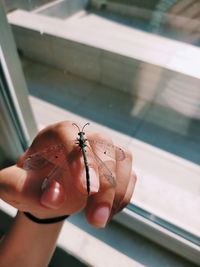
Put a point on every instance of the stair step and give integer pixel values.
(101, 50)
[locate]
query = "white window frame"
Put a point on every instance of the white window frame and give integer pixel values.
(17, 116)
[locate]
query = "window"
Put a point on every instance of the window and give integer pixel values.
(132, 68)
(17, 124)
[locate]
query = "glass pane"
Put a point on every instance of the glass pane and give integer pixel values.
(15, 133)
(9, 127)
(132, 66)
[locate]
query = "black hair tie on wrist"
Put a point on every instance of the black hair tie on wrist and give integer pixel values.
(47, 220)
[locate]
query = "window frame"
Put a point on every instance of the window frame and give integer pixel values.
(139, 221)
(16, 111)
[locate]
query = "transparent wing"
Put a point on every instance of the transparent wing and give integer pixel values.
(54, 154)
(105, 171)
(110, 150)
(55, 173)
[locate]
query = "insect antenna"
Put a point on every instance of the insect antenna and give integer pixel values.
(85, 125)
(74, 124)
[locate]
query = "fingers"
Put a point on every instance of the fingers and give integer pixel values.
(53, 196)
(11, 183)
(123, 169)
(58, 172)
(110, 199)
(99, 207)
(127, 195)
(14, 189)
(100, 204)
(65, 191)
(99, 210)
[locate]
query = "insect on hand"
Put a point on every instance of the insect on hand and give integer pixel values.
(81, 141)
(56, 155)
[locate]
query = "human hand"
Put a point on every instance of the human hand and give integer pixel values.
(66, 191)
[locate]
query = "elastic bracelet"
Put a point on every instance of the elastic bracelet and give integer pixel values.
(45, 221)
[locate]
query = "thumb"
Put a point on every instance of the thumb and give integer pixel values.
(53, 195)
(12, 186)
(11, 183)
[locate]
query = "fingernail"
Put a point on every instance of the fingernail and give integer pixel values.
(94, 180)
(53, 196)
(101, 215)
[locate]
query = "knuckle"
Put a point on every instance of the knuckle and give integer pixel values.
(129, 154)
(102, 137)
(134, 176)
(125, 202)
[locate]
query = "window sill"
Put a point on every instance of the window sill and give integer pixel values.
(112, 246)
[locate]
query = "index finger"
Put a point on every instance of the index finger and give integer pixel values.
(100, 204)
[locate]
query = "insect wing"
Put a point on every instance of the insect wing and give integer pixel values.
(35, 162)
(119, 153)
(110, 150)
(53, 154)
(105, 171)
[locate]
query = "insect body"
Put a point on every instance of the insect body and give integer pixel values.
(82, 142)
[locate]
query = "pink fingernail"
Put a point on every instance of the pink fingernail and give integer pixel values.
(101, 215)
(94, 180)
(53, 197)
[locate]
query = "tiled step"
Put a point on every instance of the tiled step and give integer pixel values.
(113, 54)
(62, 8)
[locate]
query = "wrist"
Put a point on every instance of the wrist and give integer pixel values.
(25, 241)
(22, 219)
(49, 220)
